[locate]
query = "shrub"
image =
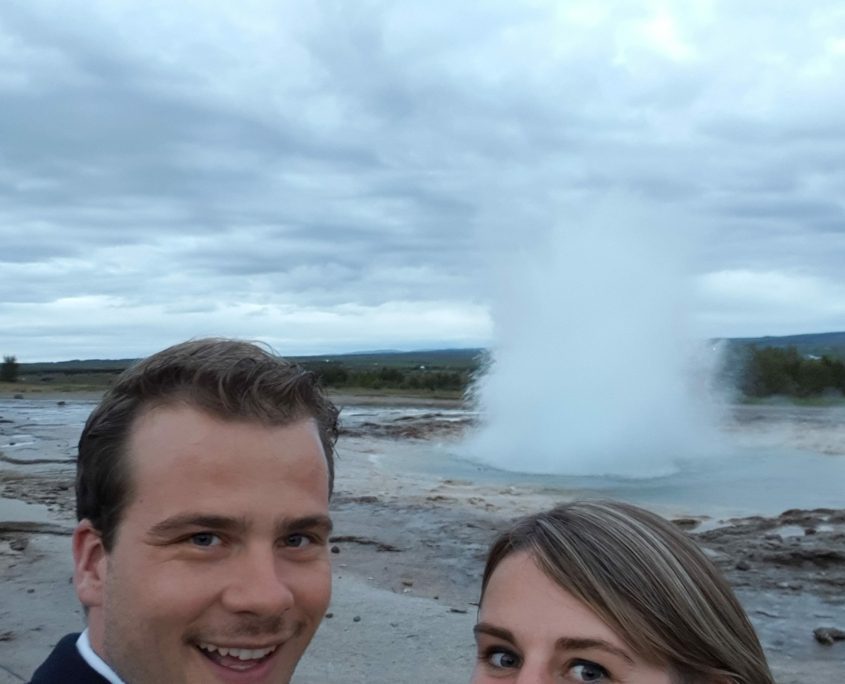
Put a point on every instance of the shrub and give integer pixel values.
(9, 369)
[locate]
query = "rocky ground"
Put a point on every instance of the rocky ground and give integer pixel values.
(407, 557)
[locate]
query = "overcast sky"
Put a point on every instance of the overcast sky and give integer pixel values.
(338, 176)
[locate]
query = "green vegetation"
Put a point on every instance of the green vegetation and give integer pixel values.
(776, 371)
(439, 372)
(413, 378)
(9, 369)
(436, 374)
(810, 372)
(831, 344)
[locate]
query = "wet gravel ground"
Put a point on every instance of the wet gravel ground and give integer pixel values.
(426, 537)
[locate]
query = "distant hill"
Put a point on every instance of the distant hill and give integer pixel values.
(432, 358)
(439, 358)
(830, 344)
(439, 373)
(758, 366)
(77, 366)
(814, 344)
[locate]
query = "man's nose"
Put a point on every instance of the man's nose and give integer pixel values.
(258, 584)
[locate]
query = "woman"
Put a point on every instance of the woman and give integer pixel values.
(608, 592)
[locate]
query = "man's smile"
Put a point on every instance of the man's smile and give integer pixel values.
(242, 662)
(239, 653)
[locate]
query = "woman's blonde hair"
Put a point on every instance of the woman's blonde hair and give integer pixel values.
(648, 582)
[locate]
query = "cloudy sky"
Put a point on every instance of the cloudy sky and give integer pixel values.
(353, 175)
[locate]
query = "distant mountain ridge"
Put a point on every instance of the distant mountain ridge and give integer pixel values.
(813, 344)
(461, 357)
(816, 344)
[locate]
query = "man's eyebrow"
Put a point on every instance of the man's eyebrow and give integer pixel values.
(177, 523)
(224, 523)
(577, 644)
(499, 632)
(306, 522)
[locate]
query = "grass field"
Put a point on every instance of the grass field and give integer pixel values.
(439, 374)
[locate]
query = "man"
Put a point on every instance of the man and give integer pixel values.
(201, 553)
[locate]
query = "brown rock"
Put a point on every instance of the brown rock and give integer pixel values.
(19, 543)
(686, 523)
(827, 635)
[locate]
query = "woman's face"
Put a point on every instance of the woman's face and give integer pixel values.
(531, 630)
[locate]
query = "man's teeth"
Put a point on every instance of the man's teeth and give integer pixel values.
(239, 653)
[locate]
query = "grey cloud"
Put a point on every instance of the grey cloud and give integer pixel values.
(360, 151)
(788, 209)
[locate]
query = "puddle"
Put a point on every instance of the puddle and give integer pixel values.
(785, 623)
(15, 510)
(709, 524)
(18, 441)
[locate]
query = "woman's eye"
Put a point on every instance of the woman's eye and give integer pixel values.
(205, 539)
(586, 671)
(502, 659)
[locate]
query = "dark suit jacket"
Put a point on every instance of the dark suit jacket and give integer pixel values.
(66, 666)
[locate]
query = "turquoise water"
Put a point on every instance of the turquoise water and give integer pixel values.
(740, 477)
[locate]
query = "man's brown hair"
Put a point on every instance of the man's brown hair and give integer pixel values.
(228, 379)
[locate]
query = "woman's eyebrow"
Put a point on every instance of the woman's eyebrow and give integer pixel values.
(562, 644)
(577, 643)
(499, 632)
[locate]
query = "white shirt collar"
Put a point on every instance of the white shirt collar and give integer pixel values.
(83, 645)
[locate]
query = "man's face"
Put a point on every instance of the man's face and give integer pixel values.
(220, 567)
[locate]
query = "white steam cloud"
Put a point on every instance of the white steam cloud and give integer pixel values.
(593, 368)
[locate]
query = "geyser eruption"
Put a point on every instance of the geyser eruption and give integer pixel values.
(593, 370)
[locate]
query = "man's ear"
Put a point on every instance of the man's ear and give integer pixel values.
(89, 564)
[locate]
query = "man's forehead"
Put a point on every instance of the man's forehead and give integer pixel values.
(184, 399)
(179, 437)
(180, 409)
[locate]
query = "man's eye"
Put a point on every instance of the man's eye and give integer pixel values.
(205, 539)
(587, 671)
(298, 541)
